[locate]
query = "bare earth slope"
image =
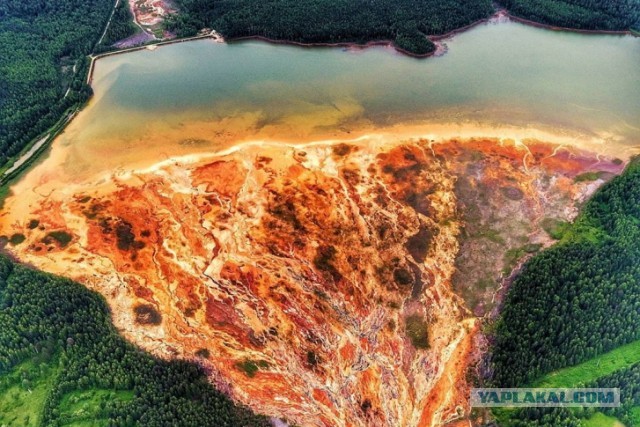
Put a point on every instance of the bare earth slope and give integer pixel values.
(315, 282)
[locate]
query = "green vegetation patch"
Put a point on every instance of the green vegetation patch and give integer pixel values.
(513, 255)
(489, 234)
(251, 367)
(418, 331)
(95, 377)
(587, 176)
(634, 416)
(23, 391)
(17, 238)
(62, 237)
(593, 369)
(601, 420)
(89, 406)
(555, 228)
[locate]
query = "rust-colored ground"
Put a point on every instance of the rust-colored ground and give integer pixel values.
(315, 282)
(149, 15)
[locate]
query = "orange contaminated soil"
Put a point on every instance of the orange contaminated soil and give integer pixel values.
(150, 14)
(447, 402)
(321, 279)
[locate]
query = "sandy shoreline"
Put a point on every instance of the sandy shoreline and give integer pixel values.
(374, 142)
(51, 174)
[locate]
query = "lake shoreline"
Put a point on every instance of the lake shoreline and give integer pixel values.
(566, 29)
(435, 39)
(500, 14)
(345, 45)
(384, 43)
(439, 51)
(211, 119)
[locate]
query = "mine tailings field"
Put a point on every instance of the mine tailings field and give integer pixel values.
(327, 229)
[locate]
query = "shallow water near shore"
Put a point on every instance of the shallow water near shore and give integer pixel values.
(204, 96)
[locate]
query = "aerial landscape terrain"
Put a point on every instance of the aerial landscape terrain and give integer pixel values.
(317, 212)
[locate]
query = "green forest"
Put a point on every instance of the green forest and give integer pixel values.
(42, 49)
(626, 379)
(577, 300)
(405, 22)
(64, 364)
(43, 62)
(579, 14)
(120, 27)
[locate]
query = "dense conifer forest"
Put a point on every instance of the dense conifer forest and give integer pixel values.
(405, 22)
(579, 14)
(626, 379)
(577, 300)
(120, 27)
(43, 48)
(52, 328)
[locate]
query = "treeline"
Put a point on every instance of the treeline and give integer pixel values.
(40, 43)
(54, 319)
(627, 380)
(405, 22)
(577, 300)
(546, 417)
(580, 298)
(579, 14)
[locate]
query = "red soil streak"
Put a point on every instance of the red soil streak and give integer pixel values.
(310, 272)
(222, 177)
